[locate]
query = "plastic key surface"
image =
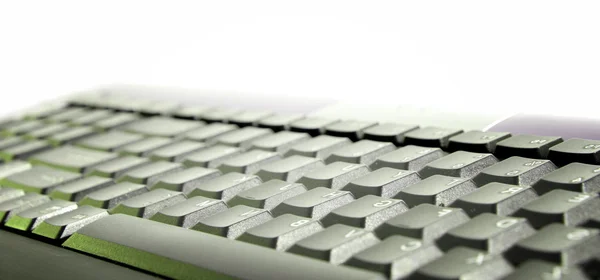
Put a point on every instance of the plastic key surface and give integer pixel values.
(577, 177)
(516, 171)
(531, 146)
(282, 232)
(318, 147)
(437, 190)
(354, 130)
(315, 203)
(233, 222)
(364, 152)
(39, 179)
(496, 198)
(408, 158)
(76, 190)
(225, 187)
(73, 159)
(335, 175)
(211, 157)
(459, 164)
(430, 137)
(185, 180)
(575, 150)
(267, 195)
(289, 169)
(64, 225)
(162, 126)
(31, 218)
(476, 141)
(149, 203)
(188, 213)
(385, 182)
(389, 132)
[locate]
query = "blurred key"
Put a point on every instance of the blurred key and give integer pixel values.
(437, 190)
(225, 187)
(314, 126)
(430, 137)
(190, 113)
(364, 151)
(459, 164)
(115, 121)
(210, 133)
(219, 114)
(91, 117)
(289, 169)
(149, 203)
(335, 175)
(516, 171)
(150, 173)
(318, 147)
(70, 135)
(531, 146)
(282, 232)
(248, 162)
(21, 127)
(62, 226)
(162, 126)
(7, 194)
(577, 177)
(389, 132)
(73, 159)
(76, 190)
(560, 206)
(110, 141)
(145, 146)
(575, 150)
(29, 219)
(315, 203)
(279, 142)
(211, 157)
(11, 207)
(176, 151)
(279, 122)
(155, 108)
(267, 195)
(13, 167)
(68, 114)
(24, 150)
(46, 131)
(233, 222)
(111, 196)
(385, 182)
(39, 179)
(248, 118)
(476, 141)
(244, 137)
(43, 111)
(426, 222)
(10, 142)
(185, 180)
(117, 167)
(542, 270)
(396, 256)
(354, 130)
(327, 244)
(408, 158)
(367, 212)
(496, 198)
(188, 213)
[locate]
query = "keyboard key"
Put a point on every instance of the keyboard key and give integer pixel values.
(476, 141)
(464, 263)
(91, 117)
(575, 150)
(138, 243)
(110, 141)
(117, 167)
(24, 150)
(334, 176)
(364, 151)
(314, 126)
(7, 194)
(560, 206)
(536, 269)
(190, 113)
(68, 114)
(46, 131)
(577, 177)
(315, 203)
(327, 244)
(389, 132)
(243, 138)
(149, 203)
(44, 111)
(248, 162)
(210, 133)
(459, 164)
(437, 190)
(162, 126)
(410, 157)
(211, 157)
(21, 127)
(13, 167)
(279, 122)
(29, 219)
(150, 173)
(219, 114)
(188, 213)
(289, 169)
(318, 147)
(226, 187)
(111, 196)
(176, 151)
(39, 179)
(487, 232)
(385, 182)
(558, 244)
(233, 222)
(145, 146)
(76, 190)
(367, 212)
(396, 256)
(426, 222)
(185, 180)
(497, 198)
(10, 142)
(155, 108)
(282, 232)
(62, 226)
(349, 129)
(70, 135)
(117, 120)
(267, 195)
(515, 171)
(430, 137)
(248, 118)
(11, 207)
(73, 159)
(531, 146)
(279, 142)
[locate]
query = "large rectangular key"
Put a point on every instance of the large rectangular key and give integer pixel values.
(140, 243)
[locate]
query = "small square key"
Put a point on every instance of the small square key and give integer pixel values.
(210, 133)
(385, 182)
(70, 135)
(117, 167)
(110, 141)
(289, 169)
(249, 162)
(364, 151)
(314, 126)
(31, 218)
(487, 232)
(72, 159)
(459, 164)
(280, 142)
(225, 187)
(243, 138)
(531, 146)
(162, 126)
(497, 198)
(410, 157)
(389, 132)
(430, 137)
(211, 157)
(24, 150)
(111, 196)
(75, 191)
(145, 146)
(349, 129)
(188, 213)
(177, 151)
(516, 171)
(437, 190)
(476, 141)
(334, 176)
(577, 177)
(367, 212)
(279, 122)
(267, 195)
(150, 173)
(248, 118)
(560, 206)
(426, 222)
(315, 203)
(233, 222)
(39, 179)
(11, 207)
(575, 150)
(281, 232)
(335, 244)
(185, 180)
(62, 226)
(149, 203)
(318, 147)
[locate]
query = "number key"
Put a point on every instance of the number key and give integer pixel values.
(531, 146)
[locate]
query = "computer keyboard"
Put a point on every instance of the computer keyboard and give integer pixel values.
(107, 189)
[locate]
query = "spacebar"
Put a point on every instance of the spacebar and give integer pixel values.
(186, 254)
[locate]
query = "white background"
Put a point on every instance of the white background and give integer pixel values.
(535, 54)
